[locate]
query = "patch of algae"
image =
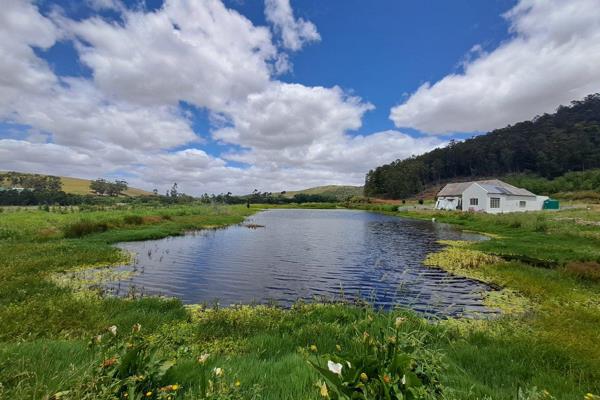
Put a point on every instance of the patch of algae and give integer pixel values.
(458, 258)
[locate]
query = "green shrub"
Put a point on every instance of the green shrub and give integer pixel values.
(127, 367)
(133, 219)
(396, 364)
(84, 227)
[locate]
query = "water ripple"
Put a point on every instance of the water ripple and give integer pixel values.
(303, 254)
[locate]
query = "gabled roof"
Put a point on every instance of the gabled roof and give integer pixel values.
(494, 186)
(454, 189)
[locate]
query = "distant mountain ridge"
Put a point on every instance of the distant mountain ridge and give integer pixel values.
(549, 146)
(340, 192)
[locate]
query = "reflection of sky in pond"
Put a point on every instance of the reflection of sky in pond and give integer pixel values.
(306, 254)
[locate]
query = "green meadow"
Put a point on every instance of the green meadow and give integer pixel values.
(59, 341)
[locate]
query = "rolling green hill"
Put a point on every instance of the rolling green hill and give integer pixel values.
(76, 185)
(548, 146)
(340, 192)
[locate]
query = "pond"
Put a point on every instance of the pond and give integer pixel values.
(280, 256)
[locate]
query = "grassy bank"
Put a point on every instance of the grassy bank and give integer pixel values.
(263, 352)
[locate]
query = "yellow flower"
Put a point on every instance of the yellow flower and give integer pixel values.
(399, 322)
(237, 383)
(323, 389)
(148, 394)
(174, 387)
(591, 396)
(364, 377)
(313, 348)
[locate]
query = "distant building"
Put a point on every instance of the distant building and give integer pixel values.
(491, 196)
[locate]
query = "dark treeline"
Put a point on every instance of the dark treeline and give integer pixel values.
(549, 146)
(45, 197)
(266, 198)
(41, 197)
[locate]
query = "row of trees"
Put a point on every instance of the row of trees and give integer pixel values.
(104, 188)
(569, 182)
(549, 146)
(14, 179)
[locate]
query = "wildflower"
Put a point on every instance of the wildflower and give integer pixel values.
(109, 362)
(113, 330)
(386, 378)
(591, 396)
(338, 347)
(313, 348)
(97, 339)
(218, 372)
(323, 389)
(392, 339)
(237, 383)
(202, 359)
(364, 377)
(136, 328)
(336, 368)
(399, 321)
(148, 394)
(169, 388)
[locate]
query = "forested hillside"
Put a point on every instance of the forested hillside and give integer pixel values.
(549, 146)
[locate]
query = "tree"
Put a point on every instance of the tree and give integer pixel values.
(173, 192)
(549, 145)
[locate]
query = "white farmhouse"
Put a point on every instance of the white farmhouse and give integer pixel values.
(492, 196)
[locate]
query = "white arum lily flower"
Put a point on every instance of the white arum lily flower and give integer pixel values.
(336, 368)
(202, 359)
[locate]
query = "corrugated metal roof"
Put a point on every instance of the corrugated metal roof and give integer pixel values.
(454, 189)
(490, 186)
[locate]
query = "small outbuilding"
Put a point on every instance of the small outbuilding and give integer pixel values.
(491, 196)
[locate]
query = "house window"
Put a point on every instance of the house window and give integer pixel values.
(474, 202)
(494, 202)
(522, 203)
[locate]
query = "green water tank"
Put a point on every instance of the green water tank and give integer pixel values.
(551, 204)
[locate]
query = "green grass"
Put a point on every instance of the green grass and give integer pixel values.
(45, 327)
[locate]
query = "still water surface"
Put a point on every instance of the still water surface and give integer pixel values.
(307, 254)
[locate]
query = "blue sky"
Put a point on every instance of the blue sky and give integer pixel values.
(275, 95)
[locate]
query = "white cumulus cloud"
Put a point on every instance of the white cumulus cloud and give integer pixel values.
(126, 119)
(294, 32)
(551, 59)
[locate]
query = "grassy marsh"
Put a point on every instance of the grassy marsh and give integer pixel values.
(45, 327)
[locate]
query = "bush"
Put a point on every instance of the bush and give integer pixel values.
(586, 270)
(133, 219)
(84, 227)
(396, 364)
